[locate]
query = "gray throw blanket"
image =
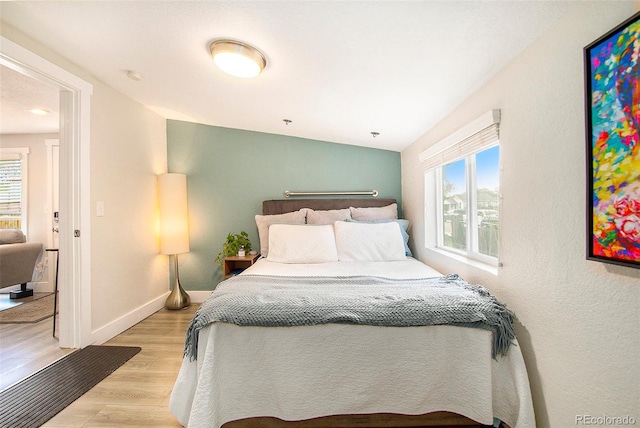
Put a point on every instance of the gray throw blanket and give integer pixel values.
(276, 301)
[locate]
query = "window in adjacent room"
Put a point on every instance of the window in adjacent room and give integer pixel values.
(462, 200)
(13, 189)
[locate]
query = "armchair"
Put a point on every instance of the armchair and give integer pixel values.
(18, 259)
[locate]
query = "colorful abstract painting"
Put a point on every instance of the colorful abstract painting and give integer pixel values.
(613, 124)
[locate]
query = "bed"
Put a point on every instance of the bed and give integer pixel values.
(344, 371)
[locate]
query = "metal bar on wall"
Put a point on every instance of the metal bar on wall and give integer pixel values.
(372, 193)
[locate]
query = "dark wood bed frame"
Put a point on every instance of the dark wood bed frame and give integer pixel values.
(376, 420)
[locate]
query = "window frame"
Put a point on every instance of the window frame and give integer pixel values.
(7, 153)
(475, 137)
(472, 246)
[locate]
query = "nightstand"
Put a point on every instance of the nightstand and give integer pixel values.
(233, 265)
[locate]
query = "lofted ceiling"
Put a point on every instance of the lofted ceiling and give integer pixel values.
(339, 70)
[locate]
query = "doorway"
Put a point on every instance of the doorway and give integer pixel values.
(74, 194)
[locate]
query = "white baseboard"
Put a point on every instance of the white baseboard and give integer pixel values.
(41, 287)
(126, 321)
(199, 296)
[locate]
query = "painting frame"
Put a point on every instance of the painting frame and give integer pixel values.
(612, 94)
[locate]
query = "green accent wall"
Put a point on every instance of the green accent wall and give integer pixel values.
(230, 172)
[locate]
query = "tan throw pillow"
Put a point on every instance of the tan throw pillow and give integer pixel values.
(328, 216)
(390, 212)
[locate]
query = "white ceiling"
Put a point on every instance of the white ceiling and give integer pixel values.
(338, 69)
(20, 94)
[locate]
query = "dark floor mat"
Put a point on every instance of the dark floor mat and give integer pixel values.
(36, 399)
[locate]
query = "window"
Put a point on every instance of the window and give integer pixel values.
(469, 203)
(13, 189)
(462, 200)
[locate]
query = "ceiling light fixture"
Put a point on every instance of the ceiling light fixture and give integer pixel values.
(237, 59)
(134, 75)
(40, 111)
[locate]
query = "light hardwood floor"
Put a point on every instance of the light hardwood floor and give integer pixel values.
(137, 394)
(25, 349)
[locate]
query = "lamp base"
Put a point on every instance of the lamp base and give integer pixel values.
(178, 299)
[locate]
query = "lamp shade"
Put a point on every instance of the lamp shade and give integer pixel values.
(174, 224)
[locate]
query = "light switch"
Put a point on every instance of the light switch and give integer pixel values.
(100, 209)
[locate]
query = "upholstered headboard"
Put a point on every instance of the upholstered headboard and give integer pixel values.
(280, 206)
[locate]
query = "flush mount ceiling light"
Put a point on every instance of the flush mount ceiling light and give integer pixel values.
(237, 59)
(40, 111)
(134, 75)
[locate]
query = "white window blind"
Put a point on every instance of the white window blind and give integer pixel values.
(476, 136)
(13, 188)
(10, 187)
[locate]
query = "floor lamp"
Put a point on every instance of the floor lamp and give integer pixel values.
(174, 230)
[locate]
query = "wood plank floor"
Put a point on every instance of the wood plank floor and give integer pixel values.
(25, 349)
(137, 394)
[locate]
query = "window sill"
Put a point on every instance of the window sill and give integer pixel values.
(492, 269)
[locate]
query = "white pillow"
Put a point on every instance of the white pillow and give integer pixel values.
(404, 227)
(292, 243)
(327, 216)
(390, 212)
(264, 221)
(369, 242)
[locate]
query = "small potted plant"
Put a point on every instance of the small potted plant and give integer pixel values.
(232, 245)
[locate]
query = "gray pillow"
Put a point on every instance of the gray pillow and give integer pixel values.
(12, 236)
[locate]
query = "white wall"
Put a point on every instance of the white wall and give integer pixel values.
(128, 150)
(578, 319)
(129, 278)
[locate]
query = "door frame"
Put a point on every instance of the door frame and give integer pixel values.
(53, 186)
(75, 227)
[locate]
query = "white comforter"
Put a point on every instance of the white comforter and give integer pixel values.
(296, 373)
